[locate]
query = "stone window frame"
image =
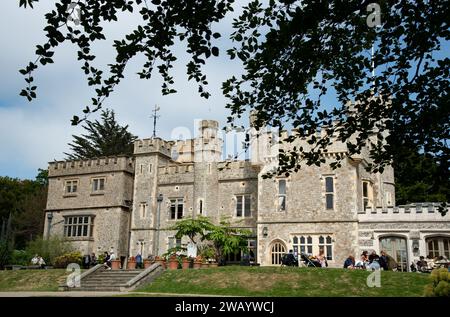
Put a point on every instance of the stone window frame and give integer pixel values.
(279, 209)
(369, 198)
(71, 181)
(388, 197)
(277, 249)
(439, 249)
(176, 200)
(173, 242)
(93, 181)
(143, 210)
(313, 248)
(326, 193)
(71, 223)
(243, 204)
(201, 207)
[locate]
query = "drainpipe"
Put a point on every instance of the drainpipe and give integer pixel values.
(129, 235)
(158, 217)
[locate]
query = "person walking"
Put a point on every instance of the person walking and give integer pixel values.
(138, 261)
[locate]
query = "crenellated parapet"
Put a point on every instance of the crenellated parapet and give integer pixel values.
(153, 145)
(175, 174)
(90, 166)
(229, 170)
(411, 212)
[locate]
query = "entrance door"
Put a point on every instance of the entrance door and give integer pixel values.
(396, 247)
(277, 250)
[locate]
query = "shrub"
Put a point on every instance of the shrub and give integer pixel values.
(440, 285)
(64, 260)
(20, 257)
(49, 249)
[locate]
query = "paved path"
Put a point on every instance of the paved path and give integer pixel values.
(95, 294)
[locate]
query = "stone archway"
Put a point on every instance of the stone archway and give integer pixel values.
(277, 250)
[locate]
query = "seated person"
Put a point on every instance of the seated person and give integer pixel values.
(349, 262)
(289, 259)
(422, 265)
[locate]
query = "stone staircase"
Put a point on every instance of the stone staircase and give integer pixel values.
(99, 279)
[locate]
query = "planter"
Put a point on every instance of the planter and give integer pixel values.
(131, 265)
(115, 264)
(197, 264)
(147, 263)
(173, 263)
(205, 265)
(213, 264)
(185, 264)
(162, 262)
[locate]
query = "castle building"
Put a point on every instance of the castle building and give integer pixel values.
(127, 203)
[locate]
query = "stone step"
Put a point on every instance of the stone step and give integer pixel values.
(117, 273)
(96, 289)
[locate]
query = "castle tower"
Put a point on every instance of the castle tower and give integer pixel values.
(207, 153)
(149, 154)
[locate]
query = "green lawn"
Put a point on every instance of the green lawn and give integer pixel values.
(286, 281)
(31, 280)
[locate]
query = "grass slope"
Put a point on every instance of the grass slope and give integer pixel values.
(32, 280)
(277, 281)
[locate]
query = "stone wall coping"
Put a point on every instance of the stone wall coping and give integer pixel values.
(415, 208)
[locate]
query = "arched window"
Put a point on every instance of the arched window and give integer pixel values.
(295, 240)
(277, 251)
(396, 247)
(438, 246)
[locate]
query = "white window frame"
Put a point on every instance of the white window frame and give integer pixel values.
(176, 202)
(367, 200)
(78, 227)
(313, 247)
(282, 197)
(330, 193)
(244, 212)
(69, 186)
(173, 242)
(97, 184)
(442, 241)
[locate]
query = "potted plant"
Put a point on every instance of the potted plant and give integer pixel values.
(173, 262)
(205, 264)
(131, 265)
(213, 264)
(147, 263)
(161, 260)
(197, 262)
(185, 262)
(115, 264)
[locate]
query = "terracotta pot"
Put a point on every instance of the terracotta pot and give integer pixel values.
(197, 264)
(205, 265)
(173, 264)
(185, 263)
(147, 263)
(131, 265)
(162, 262)
(213, 264)
(115, 264)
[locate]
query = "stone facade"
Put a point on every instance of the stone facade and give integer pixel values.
(342, 211)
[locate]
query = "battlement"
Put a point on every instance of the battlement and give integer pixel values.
(236, 170)
(173, 169)
(411, 212)
(153, 145)
(97, 165)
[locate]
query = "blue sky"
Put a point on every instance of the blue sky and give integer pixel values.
(32, 134)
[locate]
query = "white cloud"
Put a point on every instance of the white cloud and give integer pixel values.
(31, 134)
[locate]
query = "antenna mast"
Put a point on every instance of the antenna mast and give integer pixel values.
(155, 116)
